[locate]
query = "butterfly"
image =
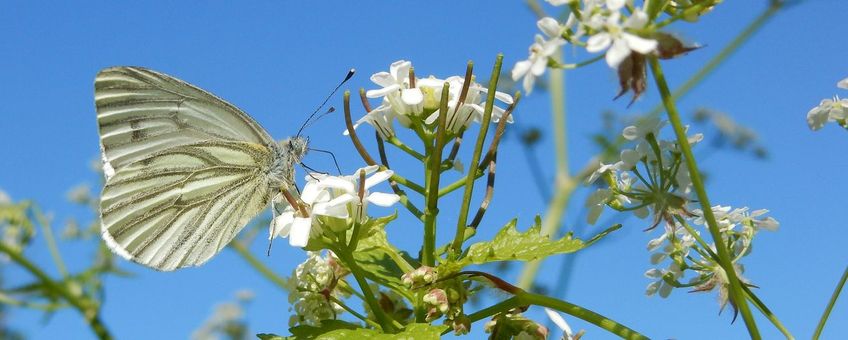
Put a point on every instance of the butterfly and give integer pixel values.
(185, 170)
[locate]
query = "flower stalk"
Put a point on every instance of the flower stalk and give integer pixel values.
(725, 260)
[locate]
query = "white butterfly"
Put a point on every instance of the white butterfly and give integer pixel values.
(185, 170)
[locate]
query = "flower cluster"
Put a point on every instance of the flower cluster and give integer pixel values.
(619, 28)
(513, 325)
(415, 101)
(652, 178)
(685, 250)
(648, 179)
(333, 202)
(830, 110)
(311, 287)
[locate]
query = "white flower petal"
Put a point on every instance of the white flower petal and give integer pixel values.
(615, 5)
(617, 53)
(520, 69)
(383, 79)
(281, 225)
(549, 26)
(843, 84)
(412, 96)
(557, 319)
(334, 182)
(598, 42)
(383, 91)
(383, 199)
(639, 44)
(378, 178)
(300, 229)
(400, 70)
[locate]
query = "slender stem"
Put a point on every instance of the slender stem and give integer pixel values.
(767, 312)
(726, 52)
(404, 199)
(400, 145)
(89, 309)
(51, 242)
(266, 272)
(428, 256)
(830, 304)
(527, 298)
(462, 219)
(353, 312)
(352, 132)
(356, 271)
(565, 184)
(725, 260)
(487, 198)
(409, 184)
(499, 307)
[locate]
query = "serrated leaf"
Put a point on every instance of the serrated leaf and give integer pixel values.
(510, 244)
(339, 330)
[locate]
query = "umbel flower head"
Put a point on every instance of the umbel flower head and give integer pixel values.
(310, 287)
(330, 201)
(411, 100)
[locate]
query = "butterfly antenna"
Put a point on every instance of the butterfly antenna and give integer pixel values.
(347, 77)
(331, 155)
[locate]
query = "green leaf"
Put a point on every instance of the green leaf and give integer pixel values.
(380, 261)
(511, 245)
(339, 330)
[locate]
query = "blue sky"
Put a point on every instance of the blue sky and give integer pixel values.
(278, 60)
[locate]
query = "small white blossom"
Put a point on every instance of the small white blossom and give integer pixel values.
(346, 191)
(381, 118)
(828, 110)
(541, 49)
(299, 224)
(460, 115)
(307, 286)
(843, 84)
(396, 89)
(615, 38)
(559, 321)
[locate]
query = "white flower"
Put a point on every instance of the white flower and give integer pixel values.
(298, 224)
(396, 89)
(347, 189)
(596, 202)
(600, 171)
(460, 115)
(843, 84)
(560, 2)
(642, 128)
(540, 51)
(381, 119)
(307, 286)
(620, 42)
(559, 321)
(827, 111)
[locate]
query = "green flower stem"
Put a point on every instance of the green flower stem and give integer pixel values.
(396, 142)
(565, 184)
(51, 242)
(748, 293)
(499, 307)
(46, 307)
(726, 52)
(266, 272)
(477, 173)
(462, 219)
(830, 304)
(434, 158)
(404, 199)
(385, 322)
(736, 292)
(353, 312)
(767, 312)
(89, 309)
(526, 298)
(407, 183)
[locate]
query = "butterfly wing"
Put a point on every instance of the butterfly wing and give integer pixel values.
(185, 170)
